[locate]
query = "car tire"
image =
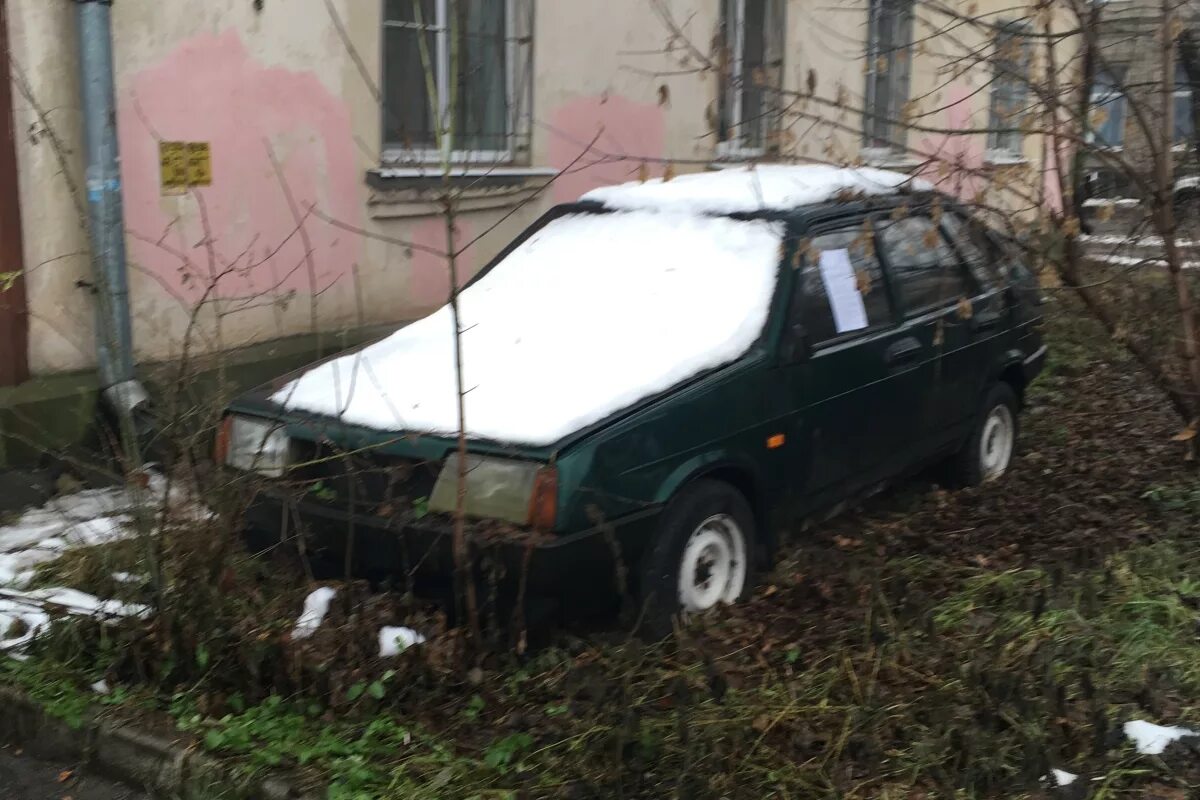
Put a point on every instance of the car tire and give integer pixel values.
(989, 450)
(701, 556)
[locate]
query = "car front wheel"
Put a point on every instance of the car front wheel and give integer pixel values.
(993, 440)
(701, 556)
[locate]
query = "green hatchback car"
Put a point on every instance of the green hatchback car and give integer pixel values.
(663, 375)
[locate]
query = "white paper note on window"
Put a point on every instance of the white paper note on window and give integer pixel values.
(841, 287)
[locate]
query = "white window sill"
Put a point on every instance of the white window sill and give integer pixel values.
(398, 192)
(1003, 158)
(885, 158)
(732, 154)
(463, 171)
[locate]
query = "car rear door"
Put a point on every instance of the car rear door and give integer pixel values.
(853, 377)
(934, 291)
(988, 329)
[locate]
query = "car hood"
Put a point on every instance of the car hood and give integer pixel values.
(590, 315)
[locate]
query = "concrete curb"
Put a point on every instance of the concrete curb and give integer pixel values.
(164, 767)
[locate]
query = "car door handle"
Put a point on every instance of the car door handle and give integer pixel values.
(902, 351)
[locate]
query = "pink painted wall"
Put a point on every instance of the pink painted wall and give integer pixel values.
(960, 168)
(959, 159)
(211, 89)
(625, 133)
(429, 281)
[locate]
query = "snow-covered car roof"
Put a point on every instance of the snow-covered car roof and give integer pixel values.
(589, 315)
(764, 187)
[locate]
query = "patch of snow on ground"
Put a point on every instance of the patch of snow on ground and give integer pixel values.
(42, 535)
(1119, 202)
(316, 606)
(26, 614)
(1132, 261)
(1151, 739)
(591, 314)
(1133, 241)
(777, 187)
(394, 641)
(1062, 777)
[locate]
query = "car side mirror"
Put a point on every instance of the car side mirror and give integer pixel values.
(796, 345)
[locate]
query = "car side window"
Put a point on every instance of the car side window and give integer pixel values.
(837, 298)
(978, 250)
(922, 265)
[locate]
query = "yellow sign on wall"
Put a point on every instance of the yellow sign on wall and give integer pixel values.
(199, 161)
(184, 164)
(173, 161)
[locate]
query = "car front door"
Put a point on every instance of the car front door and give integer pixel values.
(935, 291)
(853, 375)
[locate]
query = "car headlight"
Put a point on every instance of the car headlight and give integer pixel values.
(520, 492)
(253, 445)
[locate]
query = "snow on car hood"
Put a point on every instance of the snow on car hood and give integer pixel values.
(591, 314)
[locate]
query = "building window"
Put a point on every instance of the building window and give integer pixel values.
(1108, 111)
(750, 48)
(1010, 92)
(889, 65)
(1183, 106)
(456, 80)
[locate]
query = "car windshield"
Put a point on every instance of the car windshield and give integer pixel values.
(590, 314)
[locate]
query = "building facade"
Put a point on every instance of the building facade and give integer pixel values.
(1126, 95)
(318, 213)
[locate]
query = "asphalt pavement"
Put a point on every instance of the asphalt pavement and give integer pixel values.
(25, 778)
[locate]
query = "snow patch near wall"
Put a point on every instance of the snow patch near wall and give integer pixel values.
(588, 316)
(25, 615)
(91, 517)
(42, 535)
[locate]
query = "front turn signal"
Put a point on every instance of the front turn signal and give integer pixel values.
(543, 503)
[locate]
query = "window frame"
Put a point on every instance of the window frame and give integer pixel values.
(898, 82)
(1015, 83)
(733, 88)
(898, 296)
(1182, 90)
(800, 298)
(1112, 81)
(396, 154)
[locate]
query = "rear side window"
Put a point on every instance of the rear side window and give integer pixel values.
(923, 266)
(842, 285)
(978, 250)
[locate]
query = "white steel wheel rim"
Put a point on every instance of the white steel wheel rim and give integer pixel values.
(996, 442)
(712, 568)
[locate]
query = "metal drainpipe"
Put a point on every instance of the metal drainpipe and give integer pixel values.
(114, 335)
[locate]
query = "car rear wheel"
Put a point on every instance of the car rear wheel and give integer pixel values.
(701, 556)
(993, 441)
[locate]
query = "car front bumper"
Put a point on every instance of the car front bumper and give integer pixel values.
(423, 548)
